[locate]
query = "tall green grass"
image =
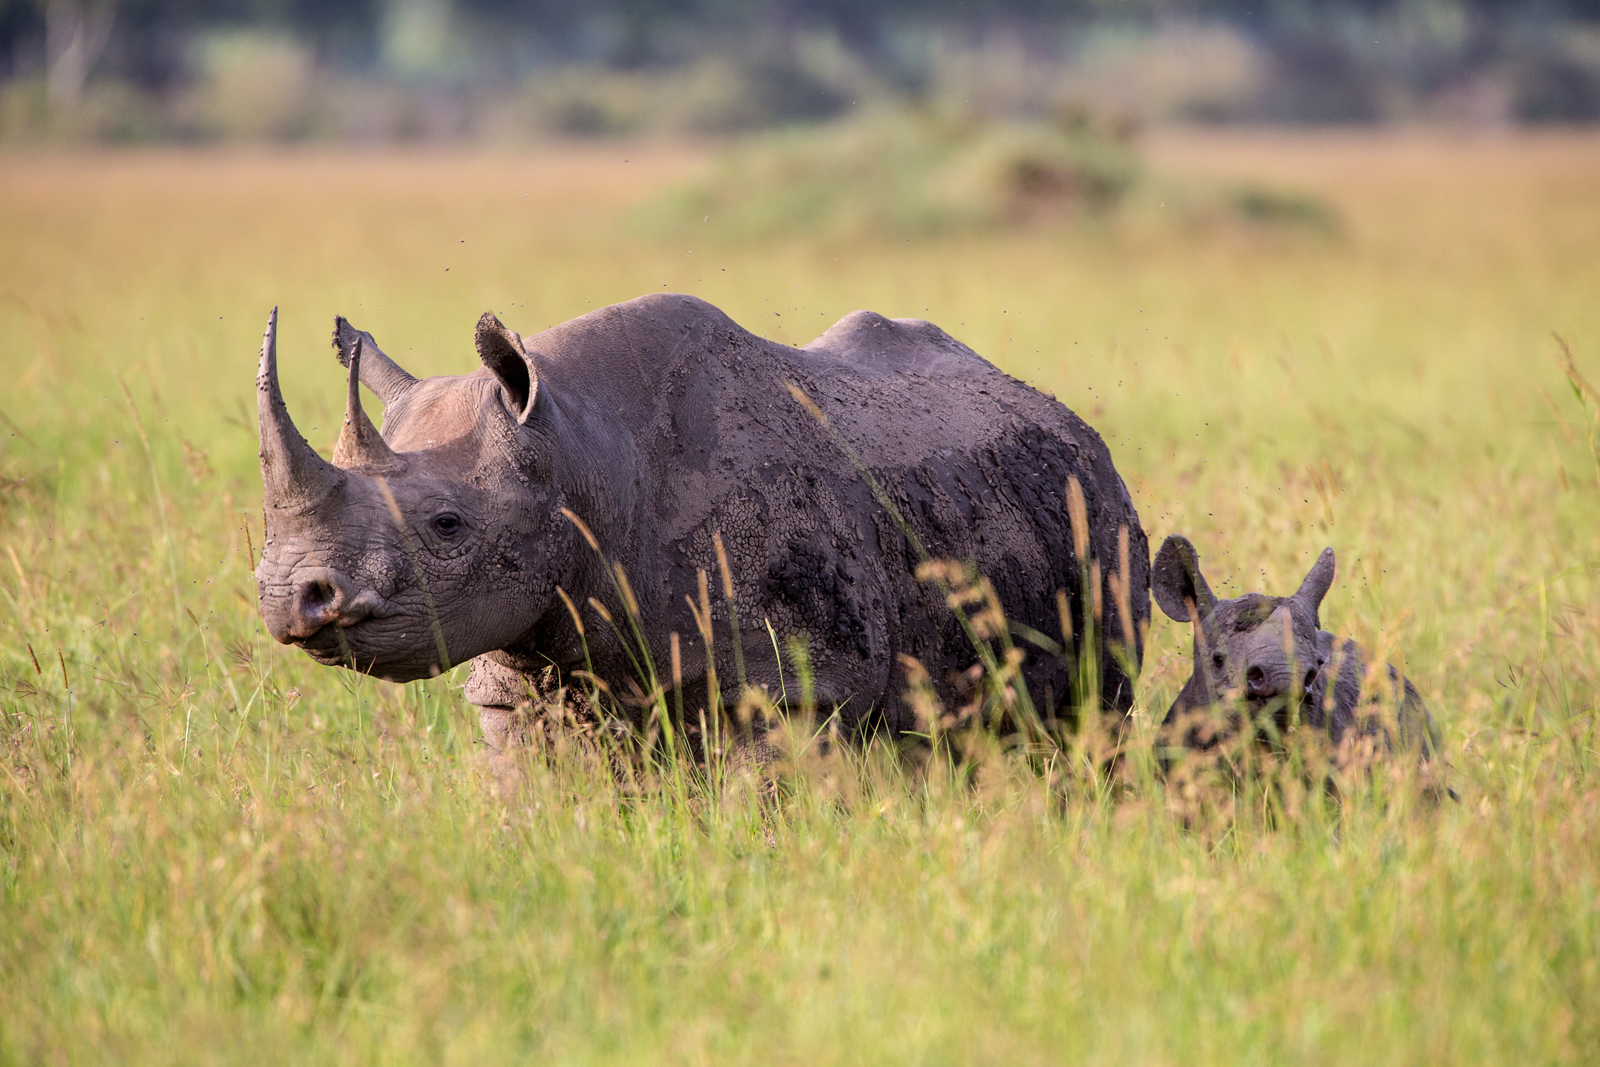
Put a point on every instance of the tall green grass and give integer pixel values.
(213, 850)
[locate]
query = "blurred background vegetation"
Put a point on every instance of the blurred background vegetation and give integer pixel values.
(507, 71)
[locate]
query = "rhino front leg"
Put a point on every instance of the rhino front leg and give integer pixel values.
(504, 697)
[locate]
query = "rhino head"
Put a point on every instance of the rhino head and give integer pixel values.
(1261, 654)
(435, 541)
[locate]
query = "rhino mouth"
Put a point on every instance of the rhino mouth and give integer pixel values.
(360, 648)
(1282, 712)
(330, 645)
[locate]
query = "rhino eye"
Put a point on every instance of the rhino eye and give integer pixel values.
(1218, 659)
(447, 525)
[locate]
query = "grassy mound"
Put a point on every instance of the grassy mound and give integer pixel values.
(905, 174)
(921, 174)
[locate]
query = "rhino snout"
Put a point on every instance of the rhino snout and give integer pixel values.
(319, 596)
(1265, 681)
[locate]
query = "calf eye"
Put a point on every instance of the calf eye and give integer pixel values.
(1218, 659)
(447, 525)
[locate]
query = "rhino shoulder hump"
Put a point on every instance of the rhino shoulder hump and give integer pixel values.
(872, 342)
(675, 309)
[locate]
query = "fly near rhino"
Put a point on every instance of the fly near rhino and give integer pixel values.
(663, 425)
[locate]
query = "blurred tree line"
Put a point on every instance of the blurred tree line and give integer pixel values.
(198, 69)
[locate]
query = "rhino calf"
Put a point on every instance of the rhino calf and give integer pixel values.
(1270, 660)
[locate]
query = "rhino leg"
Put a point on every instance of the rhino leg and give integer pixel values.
(502, 696)
(509, 702)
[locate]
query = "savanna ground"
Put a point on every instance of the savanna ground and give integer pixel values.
(213, 850)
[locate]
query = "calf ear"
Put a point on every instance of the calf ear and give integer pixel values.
(1176, 581)
(502, 352)
(1315, 587)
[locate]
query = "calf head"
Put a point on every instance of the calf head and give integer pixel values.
(1258, 654)
(435, 541)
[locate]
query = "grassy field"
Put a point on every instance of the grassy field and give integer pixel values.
(213, 850)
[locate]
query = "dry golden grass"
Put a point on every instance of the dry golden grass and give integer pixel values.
(212, 850)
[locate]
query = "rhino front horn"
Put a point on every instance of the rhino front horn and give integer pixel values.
(360, 445)
(292, 474)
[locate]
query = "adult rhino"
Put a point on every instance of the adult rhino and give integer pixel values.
(661, 423)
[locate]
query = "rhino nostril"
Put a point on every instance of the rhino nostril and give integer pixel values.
(318, 599)
(1256, 679)
(1311, 678)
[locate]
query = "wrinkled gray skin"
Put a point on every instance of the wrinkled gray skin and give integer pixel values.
(1270, 658)
(660, 422)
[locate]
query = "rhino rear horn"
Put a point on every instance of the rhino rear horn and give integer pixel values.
(359, 442)
(1176, 581)
(379, 373)
(292, 474)
(502, 352)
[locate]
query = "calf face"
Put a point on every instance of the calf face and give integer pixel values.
(1259, 656)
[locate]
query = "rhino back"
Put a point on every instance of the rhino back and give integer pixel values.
(1365, 709)
(704, 437)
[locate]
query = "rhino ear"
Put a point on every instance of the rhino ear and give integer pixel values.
(1315, 587)
(502, 352)
(1176, 581)
(378, 372)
